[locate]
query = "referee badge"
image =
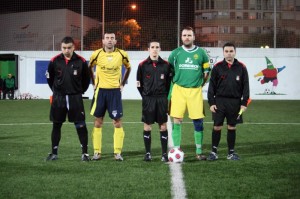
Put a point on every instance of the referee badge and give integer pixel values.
(75, 72)
(238, 78)
(162, 76)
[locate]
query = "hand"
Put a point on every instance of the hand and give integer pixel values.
(243, 108)
(213, 108)
(121, 88)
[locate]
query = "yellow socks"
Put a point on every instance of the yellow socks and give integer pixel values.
(97, 139)
(118, 140)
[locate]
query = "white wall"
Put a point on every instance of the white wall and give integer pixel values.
(254, 59)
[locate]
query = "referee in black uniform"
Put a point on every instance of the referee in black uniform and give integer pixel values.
(153, 83)
(228, 94)
(68, 77)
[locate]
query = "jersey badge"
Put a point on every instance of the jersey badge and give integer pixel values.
(196, 56)
(162, 76)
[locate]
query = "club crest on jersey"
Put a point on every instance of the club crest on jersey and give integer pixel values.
(237, 78)
(196, 56)
(109, 58)
(162, 76)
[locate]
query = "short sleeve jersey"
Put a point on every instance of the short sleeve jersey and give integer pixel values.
(109, 67)
(188, 66)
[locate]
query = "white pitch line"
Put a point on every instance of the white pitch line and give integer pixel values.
(178, 190)
(50, 123)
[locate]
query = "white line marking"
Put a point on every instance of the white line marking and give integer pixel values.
(178, 190)
(50, 123)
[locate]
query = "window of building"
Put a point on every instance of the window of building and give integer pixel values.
(239, 4)
(222, 4)
(238, 29)
(252, 30)
(239, 15)
(252, 4)
(223, 15)
(223, 29)
(252, 15)
(209, 30)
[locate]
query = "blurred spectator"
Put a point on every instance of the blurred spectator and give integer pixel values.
(9, 87)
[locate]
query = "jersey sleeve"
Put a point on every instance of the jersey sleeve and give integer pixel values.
(126, 60)
(205, 64)
(50, 74)
(139, 79)
(85, 76)
(93, 58)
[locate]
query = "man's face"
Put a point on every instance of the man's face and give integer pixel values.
(229, 53)
(67, 49)
(187, 37)
(154, 49)
(109, 40)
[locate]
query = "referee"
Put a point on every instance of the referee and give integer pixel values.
(153, 82)
(68, 78)
(228, 94)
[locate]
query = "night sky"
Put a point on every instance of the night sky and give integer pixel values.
(147, 9)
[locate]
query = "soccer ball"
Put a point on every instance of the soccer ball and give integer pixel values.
(267, 91)
(176, 155)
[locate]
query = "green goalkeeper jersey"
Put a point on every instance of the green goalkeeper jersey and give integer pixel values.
(188, 66)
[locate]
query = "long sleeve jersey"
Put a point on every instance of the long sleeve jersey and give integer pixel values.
(229, 81)
(154, 77)
(67, 77)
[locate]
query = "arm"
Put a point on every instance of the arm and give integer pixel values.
(211, 93)
(246, 88)
(91, 73)
(126, 75)
(50, 74)
(139, 80)
(85, 77)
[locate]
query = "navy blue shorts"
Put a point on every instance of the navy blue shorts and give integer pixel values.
(109, 100)
(63, 105)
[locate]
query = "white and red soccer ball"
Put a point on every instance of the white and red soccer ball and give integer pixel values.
(176, 155)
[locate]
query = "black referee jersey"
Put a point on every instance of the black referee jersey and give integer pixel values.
(68, 77)
(228, 81)
(154, 77)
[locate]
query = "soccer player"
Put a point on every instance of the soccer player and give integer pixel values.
(190, 67)
(107, 96)
(153, 83)
(228, 94)
(68, 77)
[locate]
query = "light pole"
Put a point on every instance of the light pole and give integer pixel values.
(132, 7)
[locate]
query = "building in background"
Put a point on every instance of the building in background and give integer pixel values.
(248, 23)
(42, 30)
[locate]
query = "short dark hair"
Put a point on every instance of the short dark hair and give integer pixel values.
(188, 28)
(149, 43)
(67, 40)
(229, 44)
(108, 32)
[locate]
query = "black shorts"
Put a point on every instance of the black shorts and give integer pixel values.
(67, 104)
(227, 108)
(155, 109)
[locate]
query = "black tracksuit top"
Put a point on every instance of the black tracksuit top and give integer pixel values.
(68, 78)
(228, 82)
(154, 77)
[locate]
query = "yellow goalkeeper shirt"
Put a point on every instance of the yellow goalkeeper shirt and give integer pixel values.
(109, 67)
